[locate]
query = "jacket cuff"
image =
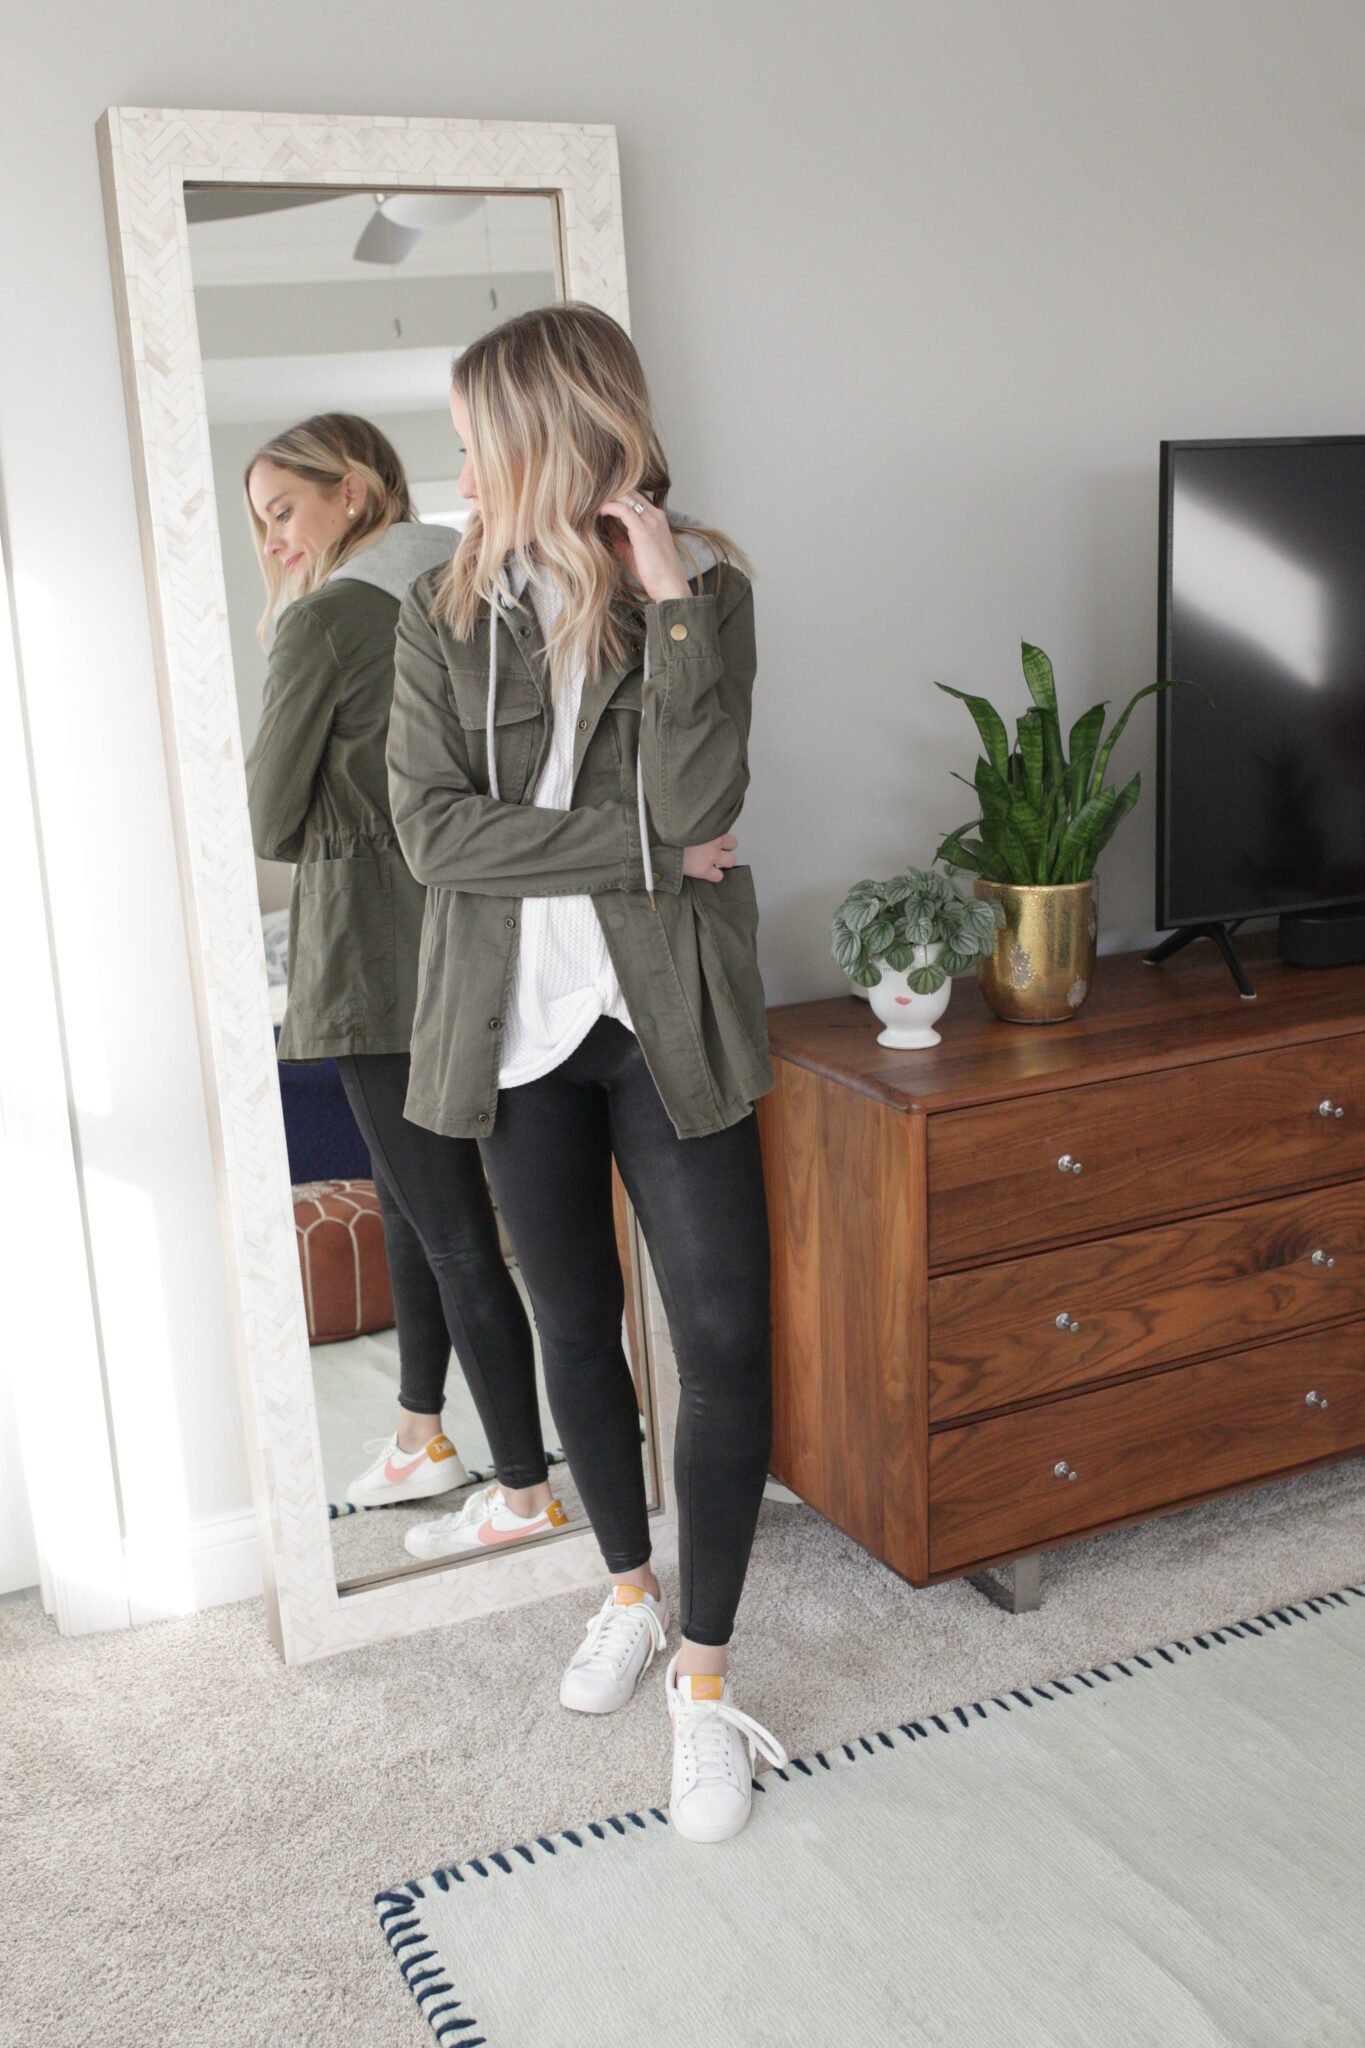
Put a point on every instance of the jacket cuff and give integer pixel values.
(680, 630)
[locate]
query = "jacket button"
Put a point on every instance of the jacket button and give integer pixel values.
(482, 1116)
(678, 632)
(582, 725)
(495, 1023)
(511, 923)
(654, 877)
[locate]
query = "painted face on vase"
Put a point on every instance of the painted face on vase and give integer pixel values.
(301, 518)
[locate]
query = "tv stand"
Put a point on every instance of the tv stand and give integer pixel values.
(1219, 933)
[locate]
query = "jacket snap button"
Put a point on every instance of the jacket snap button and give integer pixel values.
(678, 632)
(495, 1023)
(511, 923)
(483, 1116)
(582, 725)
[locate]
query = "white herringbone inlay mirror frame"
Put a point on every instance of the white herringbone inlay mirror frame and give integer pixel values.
(147, 158)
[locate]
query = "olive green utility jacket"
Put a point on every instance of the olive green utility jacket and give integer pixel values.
(318, 792)
(661, 738)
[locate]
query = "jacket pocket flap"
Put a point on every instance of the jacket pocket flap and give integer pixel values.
(517, 701)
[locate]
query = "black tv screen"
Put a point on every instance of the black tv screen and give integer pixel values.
(1261, 794)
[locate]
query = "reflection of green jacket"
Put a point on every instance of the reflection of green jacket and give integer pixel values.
(318, 793)
(674, 744)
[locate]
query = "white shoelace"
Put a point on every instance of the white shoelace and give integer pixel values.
(479, 1504)
(703, 1726)
(613, 1633)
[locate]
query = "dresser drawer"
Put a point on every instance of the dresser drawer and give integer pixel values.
(1027, 1327)
(996, 1486)
(1195, 1137)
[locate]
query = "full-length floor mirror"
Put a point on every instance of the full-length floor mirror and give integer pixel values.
(269, 269)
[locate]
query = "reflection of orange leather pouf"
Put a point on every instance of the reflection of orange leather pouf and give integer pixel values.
(341, 1253)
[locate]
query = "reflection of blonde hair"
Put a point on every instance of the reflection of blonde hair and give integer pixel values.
(559, 421)
(323, 450)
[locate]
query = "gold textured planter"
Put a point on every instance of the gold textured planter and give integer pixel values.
(1044, 958)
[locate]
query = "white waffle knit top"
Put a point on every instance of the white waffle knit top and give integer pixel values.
(563, 980)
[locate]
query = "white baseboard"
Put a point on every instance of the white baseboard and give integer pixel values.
(215, 1562)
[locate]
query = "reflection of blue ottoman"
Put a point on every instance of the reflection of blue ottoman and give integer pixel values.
(322, 1136)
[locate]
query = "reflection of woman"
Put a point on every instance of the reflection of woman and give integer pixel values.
(339, 545)
(571, 715)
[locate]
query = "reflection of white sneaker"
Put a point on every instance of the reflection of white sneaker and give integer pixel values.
(618, 1648)
(398, 1475)
(714, 1747)
(484, 1521)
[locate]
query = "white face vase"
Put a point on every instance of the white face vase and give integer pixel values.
(908, 1018)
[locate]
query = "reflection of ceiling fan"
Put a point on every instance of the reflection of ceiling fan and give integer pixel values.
(391, 233)
(395, 227)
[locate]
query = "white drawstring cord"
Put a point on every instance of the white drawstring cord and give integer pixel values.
(492, 695)
(640, 805)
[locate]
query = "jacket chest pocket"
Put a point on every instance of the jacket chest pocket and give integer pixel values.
(517, 729)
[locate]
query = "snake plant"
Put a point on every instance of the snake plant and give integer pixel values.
(1046, 812)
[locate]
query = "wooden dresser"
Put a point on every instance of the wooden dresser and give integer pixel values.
(1039, 1281)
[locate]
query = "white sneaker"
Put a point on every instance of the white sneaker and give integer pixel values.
(398, 1475)
(714, 1748)
(617, 1649)
(483, 1521)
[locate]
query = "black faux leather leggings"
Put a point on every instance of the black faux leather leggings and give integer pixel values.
(451, 1286)
(701, 1206)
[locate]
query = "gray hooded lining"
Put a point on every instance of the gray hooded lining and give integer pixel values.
(402, 553)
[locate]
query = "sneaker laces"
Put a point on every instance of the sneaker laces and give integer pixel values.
(380, 1444)
(704, 1727)
(613, 1632)
(479, 1504)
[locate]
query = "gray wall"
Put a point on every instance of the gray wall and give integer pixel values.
(920, 284)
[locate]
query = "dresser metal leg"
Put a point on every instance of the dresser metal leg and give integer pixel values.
(1015, 1586)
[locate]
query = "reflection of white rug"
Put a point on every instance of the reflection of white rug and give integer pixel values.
(1164, 1850)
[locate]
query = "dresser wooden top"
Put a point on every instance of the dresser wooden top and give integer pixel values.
(1135, 1020)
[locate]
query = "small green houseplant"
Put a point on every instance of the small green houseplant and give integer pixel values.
(903, 940)
(1046, 814)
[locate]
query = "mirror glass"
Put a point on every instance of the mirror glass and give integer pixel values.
(312, 301)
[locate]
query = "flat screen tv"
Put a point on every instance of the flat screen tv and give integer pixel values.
(1260, 800)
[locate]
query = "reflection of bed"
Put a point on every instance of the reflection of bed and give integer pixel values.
(321, 1135)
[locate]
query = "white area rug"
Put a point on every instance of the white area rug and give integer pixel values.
(1168, 1849)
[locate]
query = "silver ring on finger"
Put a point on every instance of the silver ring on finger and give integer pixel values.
(637, 507)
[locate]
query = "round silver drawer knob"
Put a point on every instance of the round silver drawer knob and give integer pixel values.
(1066, 1322)
(1066, 1164)
(1063, 1470)
(1330, 1109)
(1312, 1398)
(1323, 1259)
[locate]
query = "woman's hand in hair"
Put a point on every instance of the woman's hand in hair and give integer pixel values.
(647, 545)
(708, 863)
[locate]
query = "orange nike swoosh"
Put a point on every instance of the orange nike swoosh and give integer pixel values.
(488, 1534)
(396, 1472)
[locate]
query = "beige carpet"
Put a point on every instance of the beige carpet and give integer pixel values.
(192, 1834)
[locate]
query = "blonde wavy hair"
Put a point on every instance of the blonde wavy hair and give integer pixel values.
(324, 450)
(559, 421)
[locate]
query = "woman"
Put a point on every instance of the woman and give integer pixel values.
(339, 545)
(567, 755)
